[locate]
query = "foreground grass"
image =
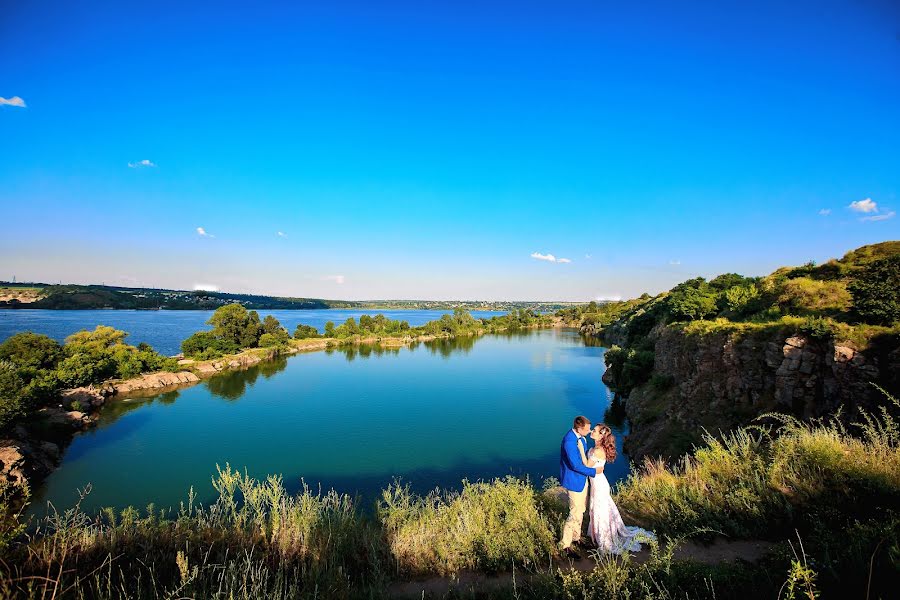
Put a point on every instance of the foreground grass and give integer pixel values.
(832, 493)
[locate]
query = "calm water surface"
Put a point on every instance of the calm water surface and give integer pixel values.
(353, 420)
(165, 329)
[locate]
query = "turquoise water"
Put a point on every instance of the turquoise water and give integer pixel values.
(353, 420)
(165, 329)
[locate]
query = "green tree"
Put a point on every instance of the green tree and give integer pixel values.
(31, 350)
(876, 291)
(235, 325)
(329, 329)
(692, 303)
(205, 345)
(271, 325)
(305, 332)
(101, 337)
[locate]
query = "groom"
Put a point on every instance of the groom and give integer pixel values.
(573, 476)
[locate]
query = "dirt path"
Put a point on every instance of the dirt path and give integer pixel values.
(718, 551)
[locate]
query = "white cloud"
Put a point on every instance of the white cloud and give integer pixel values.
(615, 298)
(863, 206)
(675, 262)
(281, 234)
(142, 164)
(825, 212)
(202, 233)
(884, 217)
(206, 287)
(338, 279)
(14, 101)
(549, 258)
(587, 256)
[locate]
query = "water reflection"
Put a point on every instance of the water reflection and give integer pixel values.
(233, 385)
(614, 416)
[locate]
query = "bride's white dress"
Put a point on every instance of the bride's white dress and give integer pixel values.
(606, 528)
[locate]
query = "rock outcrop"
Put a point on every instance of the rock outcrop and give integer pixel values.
(721, 380)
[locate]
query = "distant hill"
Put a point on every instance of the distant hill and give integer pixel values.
(66, 296)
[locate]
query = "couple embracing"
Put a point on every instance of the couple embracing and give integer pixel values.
(577, 464)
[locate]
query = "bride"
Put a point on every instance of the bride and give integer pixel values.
(606, 528)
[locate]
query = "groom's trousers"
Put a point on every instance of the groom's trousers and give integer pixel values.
(572, 526)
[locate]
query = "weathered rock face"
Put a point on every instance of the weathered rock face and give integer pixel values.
(152, 381)
(723, 380)
(22, 460)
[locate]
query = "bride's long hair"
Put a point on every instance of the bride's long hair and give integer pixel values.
(607, 442)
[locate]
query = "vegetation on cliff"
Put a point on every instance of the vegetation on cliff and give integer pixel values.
(779, 342)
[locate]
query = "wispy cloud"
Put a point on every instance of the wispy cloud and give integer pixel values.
(281, 234)
(206, 287)
(882, 217)
(675, 262)
(863, 206)
(338, 279)
(587, 256)
(142, 164)
(614, 298)
(825, 212)
(202, 233)
(549, 258)
(14, 101)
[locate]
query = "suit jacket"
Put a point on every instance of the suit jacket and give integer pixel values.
(572, 472)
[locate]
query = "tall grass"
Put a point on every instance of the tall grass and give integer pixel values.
(254, 541)
(487, 526)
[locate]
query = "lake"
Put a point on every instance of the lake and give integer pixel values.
(350, 419)
(165, 329)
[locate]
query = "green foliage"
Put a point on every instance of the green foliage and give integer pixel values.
(237, 326)
(485, 526)
(802, 295)
(692, 300)
(876, 291)
(738, 298)
(205, 345)
(12, 403)
(31, 350)
(306, 331)
(329, 329)
(629, 367)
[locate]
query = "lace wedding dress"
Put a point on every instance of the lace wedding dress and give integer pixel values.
(606, 528)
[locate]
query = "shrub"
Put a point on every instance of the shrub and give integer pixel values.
(803, 295)
(273, 340)
(12, 403)
(205, 345)
(876, 292)
(629, 367)
(305, 331)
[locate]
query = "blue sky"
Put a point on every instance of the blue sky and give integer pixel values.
(439, 150)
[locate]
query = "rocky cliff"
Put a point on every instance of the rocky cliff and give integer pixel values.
(720, 380)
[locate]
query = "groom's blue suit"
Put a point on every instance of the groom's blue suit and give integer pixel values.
(572, 472)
